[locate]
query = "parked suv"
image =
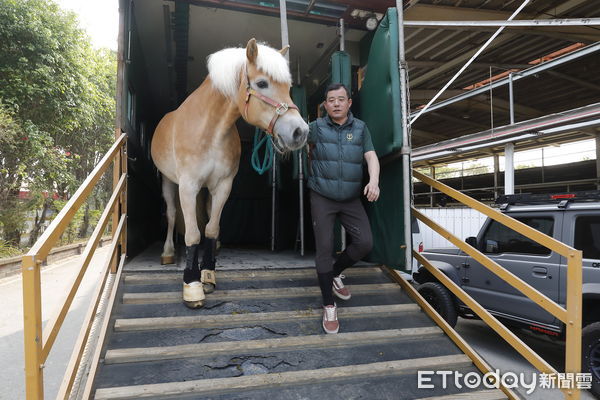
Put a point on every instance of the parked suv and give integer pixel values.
(573, 219)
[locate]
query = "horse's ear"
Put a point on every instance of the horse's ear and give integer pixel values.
(252, 50)
(285, 49)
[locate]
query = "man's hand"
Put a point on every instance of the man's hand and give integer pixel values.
(372, 191)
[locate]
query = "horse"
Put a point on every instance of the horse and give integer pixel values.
(198, 145)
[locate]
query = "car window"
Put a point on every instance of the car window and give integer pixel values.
(587, 236)
(414, 225)
(501, 239)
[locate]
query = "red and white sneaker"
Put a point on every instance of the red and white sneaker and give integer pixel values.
(339, 289)
(330, 321)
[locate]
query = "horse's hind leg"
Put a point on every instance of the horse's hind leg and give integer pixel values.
(168, 190)
(193, 295)
(219, 194)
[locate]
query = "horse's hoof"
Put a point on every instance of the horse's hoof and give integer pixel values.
(208, 288)
(209, 280)
(194, 304)
(193, 294)
(167, 260)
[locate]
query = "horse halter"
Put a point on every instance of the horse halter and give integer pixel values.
(280, 108)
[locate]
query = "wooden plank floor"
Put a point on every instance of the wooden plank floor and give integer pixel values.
(259, 336)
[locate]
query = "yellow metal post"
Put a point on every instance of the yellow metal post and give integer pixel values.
(32, 327)
(574, 312)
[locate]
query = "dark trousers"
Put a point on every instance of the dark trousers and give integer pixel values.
(352, 217)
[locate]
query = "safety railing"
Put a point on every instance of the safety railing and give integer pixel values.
(571, 316)
(38, 343)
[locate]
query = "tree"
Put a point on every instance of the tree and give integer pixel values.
(56, 110)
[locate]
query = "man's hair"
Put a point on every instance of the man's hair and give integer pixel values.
(336, 86)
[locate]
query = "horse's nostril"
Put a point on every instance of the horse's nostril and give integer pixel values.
(298, 134)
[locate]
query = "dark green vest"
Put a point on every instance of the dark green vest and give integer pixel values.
(337, 158)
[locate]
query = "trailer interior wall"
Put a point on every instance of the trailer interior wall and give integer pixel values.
(154, 40)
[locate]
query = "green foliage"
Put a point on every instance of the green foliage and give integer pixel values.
(8, 250)
(56, 111)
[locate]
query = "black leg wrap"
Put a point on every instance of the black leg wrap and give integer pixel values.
(208, 258)
(326, 284)
(343, 262)
(191, 272)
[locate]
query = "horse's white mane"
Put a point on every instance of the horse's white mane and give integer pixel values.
(225, 65)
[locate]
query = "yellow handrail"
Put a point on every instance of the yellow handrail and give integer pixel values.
(38, 346)
(58, 225)
(571, 316)
(540, 299)
(52, 328)
(512, 223)
(77, 355)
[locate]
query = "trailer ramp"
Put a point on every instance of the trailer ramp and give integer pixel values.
(259, 336)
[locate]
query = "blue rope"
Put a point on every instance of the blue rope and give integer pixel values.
(268, 157)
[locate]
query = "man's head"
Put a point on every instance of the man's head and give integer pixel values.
(337, 102)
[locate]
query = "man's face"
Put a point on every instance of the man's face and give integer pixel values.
(337, 104)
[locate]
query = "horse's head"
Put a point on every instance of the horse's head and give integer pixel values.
(264, 97)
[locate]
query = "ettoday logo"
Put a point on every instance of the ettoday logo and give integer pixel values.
(509, 380)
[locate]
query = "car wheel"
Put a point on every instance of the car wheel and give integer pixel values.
(591, 354)
(441, 300)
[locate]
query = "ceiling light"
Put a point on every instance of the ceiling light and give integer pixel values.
(371, 23)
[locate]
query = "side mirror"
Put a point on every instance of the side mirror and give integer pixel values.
(472, 241)
(491, 246)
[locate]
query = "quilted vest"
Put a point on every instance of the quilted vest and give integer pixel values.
(336, 163)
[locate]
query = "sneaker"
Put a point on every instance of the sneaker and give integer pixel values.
(339, 289)
(330, 321)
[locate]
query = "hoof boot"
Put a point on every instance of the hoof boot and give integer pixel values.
(193, 294)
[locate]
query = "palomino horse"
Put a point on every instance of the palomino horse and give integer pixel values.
(198, 146)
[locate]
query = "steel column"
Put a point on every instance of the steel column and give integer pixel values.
(284, 27)
(406, 163)
(284, 42)
(496, 171)
(509, 168)
(598, 161)
(342, 36)
(511, 98)
(301, 193)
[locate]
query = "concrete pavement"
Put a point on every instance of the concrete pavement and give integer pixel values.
(56, 281)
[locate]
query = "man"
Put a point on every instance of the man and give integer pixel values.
(338, 144)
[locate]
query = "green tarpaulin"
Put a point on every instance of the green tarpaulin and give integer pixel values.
(380, 108)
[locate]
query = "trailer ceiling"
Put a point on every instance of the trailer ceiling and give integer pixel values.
(214, 28)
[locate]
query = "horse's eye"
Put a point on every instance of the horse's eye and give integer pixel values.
(262, 84)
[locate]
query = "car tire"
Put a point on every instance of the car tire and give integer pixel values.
(441, 300)
(590, 355)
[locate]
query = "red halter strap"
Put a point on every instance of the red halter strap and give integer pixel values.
(280, 108)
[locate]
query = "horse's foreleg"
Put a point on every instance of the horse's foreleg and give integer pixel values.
(168, 190)
(219, 194)
(193, 295)
(208, 210)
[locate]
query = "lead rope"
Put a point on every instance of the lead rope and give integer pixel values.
(268, 156)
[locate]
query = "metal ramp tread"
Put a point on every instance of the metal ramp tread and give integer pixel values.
(259, 336)
(210, 386)
(311, 291)
(271, 345)
(168, 277)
